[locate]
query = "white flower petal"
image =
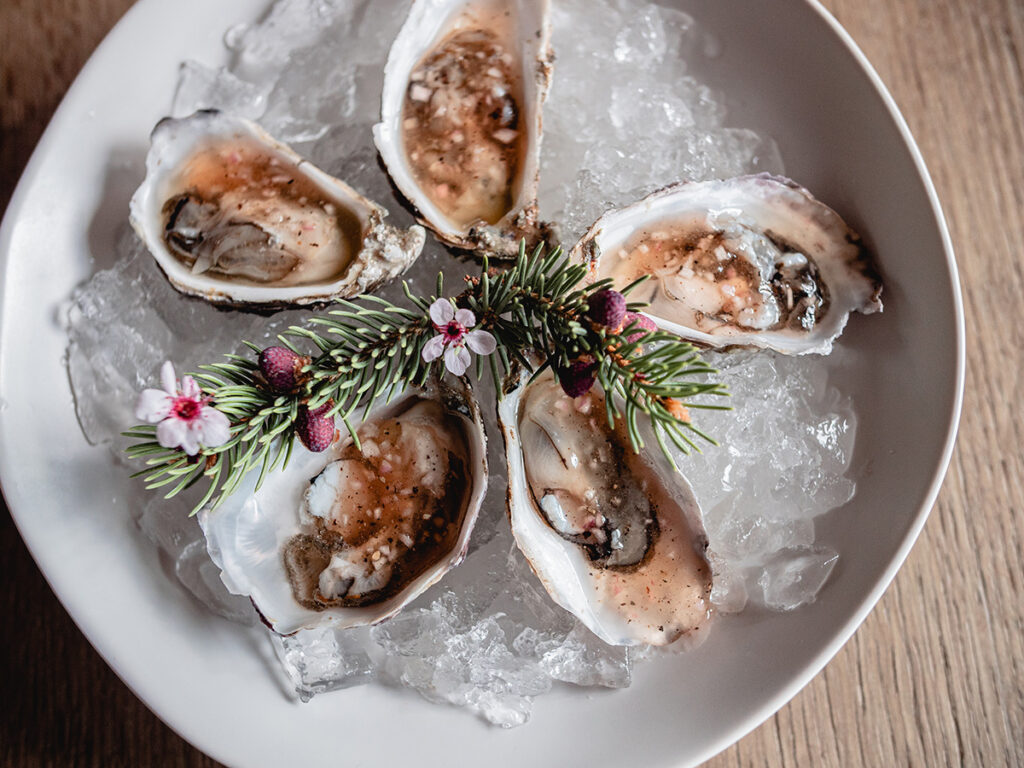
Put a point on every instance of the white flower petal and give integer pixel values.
(170, 433)
(189, 388)
(190, 440)
(442, 312)
(481, 342)
(216, 429)
(465, 318)
(456, 359)
(167, 379)
(433, 349)
(153, 405)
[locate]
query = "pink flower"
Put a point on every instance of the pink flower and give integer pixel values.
(453, 337)
(185, 418)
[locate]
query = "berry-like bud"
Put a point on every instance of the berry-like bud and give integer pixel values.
(280, 367)
(315, 430)
(606, 307)
(644, 325)
(578, 378)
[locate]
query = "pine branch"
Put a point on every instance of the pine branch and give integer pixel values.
(360, 352)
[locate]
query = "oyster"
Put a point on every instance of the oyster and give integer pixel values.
(238, 218)
(460, 125)
(615, 537)
(750, 261)
(349, 536)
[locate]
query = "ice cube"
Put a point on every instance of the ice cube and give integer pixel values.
(728, 587)
(795, 578)
(469, 664)
(583, 658)
(325, 659)
(642, 41)
(202, 87)
(115, 346)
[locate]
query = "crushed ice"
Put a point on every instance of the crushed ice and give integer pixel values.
(311, 72)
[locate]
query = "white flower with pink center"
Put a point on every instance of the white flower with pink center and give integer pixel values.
(453, 337)
(184, 416)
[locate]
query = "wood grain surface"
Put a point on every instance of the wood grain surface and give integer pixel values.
(934, 677)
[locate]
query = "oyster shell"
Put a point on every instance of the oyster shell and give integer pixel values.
(460, 125)
(750, 261)
(615, 537)
(237, 218)
(349, 536)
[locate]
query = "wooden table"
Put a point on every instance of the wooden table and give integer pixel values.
(935, 676)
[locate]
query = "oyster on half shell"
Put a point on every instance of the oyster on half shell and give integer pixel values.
(750, 261)
(238, 218)
(349, 536)
(460, 125)
(615, 537)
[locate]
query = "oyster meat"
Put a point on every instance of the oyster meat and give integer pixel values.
(349, 536)
(238, 218)
(749, 261)
(615, 537)
(460, 122)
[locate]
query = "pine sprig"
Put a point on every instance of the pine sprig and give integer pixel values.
(359, 352)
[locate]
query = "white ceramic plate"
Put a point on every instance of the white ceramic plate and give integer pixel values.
(792, 73)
